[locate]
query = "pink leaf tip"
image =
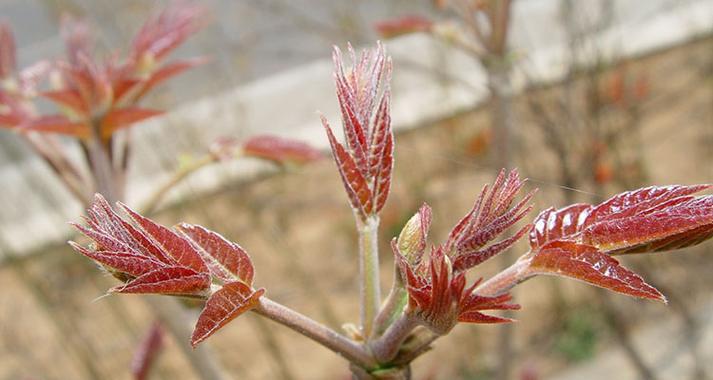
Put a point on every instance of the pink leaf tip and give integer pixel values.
(365, 161)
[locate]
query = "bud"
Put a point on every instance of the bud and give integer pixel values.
(412, 239)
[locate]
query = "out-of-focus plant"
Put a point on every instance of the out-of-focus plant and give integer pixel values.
(97, 102)
(96, 99)
(99, 99)
(430, 293)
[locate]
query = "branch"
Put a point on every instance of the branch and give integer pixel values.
(316, 331)
(387, 346)
(182, 173)
(65, 170)
(507, 279)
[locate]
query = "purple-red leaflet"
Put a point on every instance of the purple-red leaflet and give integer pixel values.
(232, 300)
(577, 241)
(354, 182)
(226, 260)
(124, 117)
(147, 352)
(170, 242)
(650, 219)
(7, 51)
(402, 25)
(167, 280)
(280, 150)
(586, 263)
(470, 240)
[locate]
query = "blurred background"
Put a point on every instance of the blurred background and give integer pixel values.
(596, 97)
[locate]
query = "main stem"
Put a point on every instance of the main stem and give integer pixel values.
(316, 331)
(369, 290)
(387, 346)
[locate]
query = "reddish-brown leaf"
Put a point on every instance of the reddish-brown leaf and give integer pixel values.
(665, 228)
(470, 306)
(354, 182)
(381, 153)
(403, 25)
(167, 280)
(170, 242)
(103, 218)
(167, 72)
(280, 150)
(125, 262)
(553, 224)
(226, 260)
(232, 300)
(123, 86)
(68, 98)
(635, 202)
(147, 352)
(124, 117)
(58, 124)
(586, 263)
(9, 121)
(646, 220)
(470, 241)
(166, 30)
(471, 259)
(7, 51)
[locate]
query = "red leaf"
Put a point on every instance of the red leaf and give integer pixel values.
(403, 25)
(147, 352)
(58, 124)
(587, 264)
(124, 262)
(124, 117)
(646, 220)
(68, 98)
(176, 246)
(354, 182)
(9, 121)
(226, 260)
(490, 216)
(167, 72)
(103, 218)
(280, 150)
(657, 230)
(7, 51)
(553, 224)
(232, 300)
(381, 154)
(167, 280)
(471, 259)
(635, 202)
(166, 30)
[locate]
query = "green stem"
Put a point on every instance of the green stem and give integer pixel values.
(393, 306)
(370, 292)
